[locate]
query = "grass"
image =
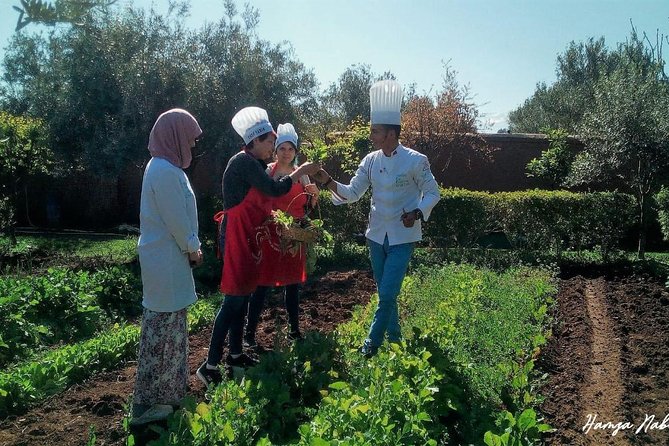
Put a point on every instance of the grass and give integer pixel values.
(116, 249)
(55, 249)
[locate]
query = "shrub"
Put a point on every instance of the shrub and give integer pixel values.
(460, 219)
(662, 207)
(534, 220)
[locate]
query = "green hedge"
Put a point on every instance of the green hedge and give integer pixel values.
(460, 218)
(559, 220)
(662, 208)
(534, 220)
(343, 221)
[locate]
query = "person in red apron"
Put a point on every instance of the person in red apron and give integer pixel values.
(283, 264)
(247, 203)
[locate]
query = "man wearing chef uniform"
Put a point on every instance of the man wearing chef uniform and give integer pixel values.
(404, 192)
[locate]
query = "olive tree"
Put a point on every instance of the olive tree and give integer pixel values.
(101, 84)
(626, 132)
(58, 11)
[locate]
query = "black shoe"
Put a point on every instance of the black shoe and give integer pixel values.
(208, 376)
(157, 412)
(295, 336)
(368, 351)
(250, 342)
(243, 361)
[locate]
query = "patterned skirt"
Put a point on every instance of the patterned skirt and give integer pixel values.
(162, 365)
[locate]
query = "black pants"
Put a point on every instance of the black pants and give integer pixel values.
(257, 302)
(230, 318)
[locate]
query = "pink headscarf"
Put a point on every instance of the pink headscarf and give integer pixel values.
(172, 135)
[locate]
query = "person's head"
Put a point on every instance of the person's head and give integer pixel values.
(252, 124)
(262, 147)
(384, 136)
(286, 144)
(385, 99)
(173, 136)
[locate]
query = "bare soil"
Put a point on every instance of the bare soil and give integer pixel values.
(608, 362)
(100, 402)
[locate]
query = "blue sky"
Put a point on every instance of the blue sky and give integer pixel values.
(501, 49)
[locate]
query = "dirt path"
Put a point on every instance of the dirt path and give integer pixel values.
(603, 389)
(65, 419)
(608, 363)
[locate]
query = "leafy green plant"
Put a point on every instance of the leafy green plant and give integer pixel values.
(24, 154)
(25, 384)
(522, 429)
(468, 334)
(387, 402)
(62, 306)
(554, 164)
(662, 206)
(316, 152)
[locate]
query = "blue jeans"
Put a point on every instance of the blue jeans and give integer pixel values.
(389, 264)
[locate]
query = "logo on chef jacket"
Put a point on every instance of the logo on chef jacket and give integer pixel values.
(401, 180)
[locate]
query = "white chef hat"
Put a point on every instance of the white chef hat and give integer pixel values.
(385, 100)
(285, 132)
(251, 122)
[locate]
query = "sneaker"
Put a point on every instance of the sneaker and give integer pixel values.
(243, 361)
(295, 336)
(368, 351)
(208, 376)
(156, 412)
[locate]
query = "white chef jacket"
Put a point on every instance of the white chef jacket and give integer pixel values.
(169, 228)
(400, 183)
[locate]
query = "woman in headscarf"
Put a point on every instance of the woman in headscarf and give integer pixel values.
(247, 202)
(283, 264)
(168, 248)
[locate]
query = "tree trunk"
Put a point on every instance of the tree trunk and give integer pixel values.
(25, 195)
(641, 251)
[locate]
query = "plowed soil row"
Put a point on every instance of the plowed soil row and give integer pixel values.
(608, 363)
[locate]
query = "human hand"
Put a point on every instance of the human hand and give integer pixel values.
(321, 176)
(312, 190)
(195, 258)
(408, 218)
(309, 168)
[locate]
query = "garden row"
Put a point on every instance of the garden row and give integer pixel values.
(62, 306)
(25, 384)
(464, 374)
(533, 220)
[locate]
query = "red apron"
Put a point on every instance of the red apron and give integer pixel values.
(242, 253)
(284, 264)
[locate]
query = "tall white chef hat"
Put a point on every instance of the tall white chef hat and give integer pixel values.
(385, 99)
(251, 122)
(285, 132)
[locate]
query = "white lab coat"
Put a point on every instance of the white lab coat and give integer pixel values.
(169, 228)
(401, 182)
